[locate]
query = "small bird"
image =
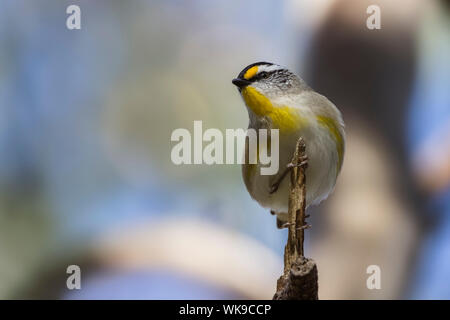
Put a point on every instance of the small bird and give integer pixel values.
(278, 99)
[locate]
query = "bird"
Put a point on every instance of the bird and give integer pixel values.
(276, 98)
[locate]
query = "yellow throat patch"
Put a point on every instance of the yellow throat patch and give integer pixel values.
(284, 118)
(288, 120)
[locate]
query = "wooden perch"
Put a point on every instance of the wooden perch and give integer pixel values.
(299, 280)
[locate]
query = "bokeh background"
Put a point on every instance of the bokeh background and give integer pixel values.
(85, 172)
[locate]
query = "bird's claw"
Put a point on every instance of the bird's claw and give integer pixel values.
(274, 188)
(303, 163)
(287, 225)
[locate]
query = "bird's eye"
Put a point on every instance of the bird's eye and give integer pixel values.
(263, 74)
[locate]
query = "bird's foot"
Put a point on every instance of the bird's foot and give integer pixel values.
(274, 187)
(305, 226)
(282, 225)
(303, 163)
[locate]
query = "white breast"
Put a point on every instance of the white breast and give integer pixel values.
(320, 174)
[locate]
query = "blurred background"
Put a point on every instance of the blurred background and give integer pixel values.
(85, 172)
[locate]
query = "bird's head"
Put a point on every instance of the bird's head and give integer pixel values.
(269, 79)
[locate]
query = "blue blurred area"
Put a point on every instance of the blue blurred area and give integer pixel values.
(56, 90)
(145, 285)
(429, 123)
(54, 95)
(432, 274)
(51, 96)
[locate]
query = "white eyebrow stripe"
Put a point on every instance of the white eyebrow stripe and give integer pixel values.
(269, 68)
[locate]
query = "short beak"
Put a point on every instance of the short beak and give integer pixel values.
(240, 83)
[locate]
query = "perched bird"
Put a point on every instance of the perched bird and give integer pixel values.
(278, 99)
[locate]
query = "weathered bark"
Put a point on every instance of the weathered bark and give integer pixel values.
(299, 280)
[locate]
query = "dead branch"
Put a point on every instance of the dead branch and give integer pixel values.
(299, 280)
